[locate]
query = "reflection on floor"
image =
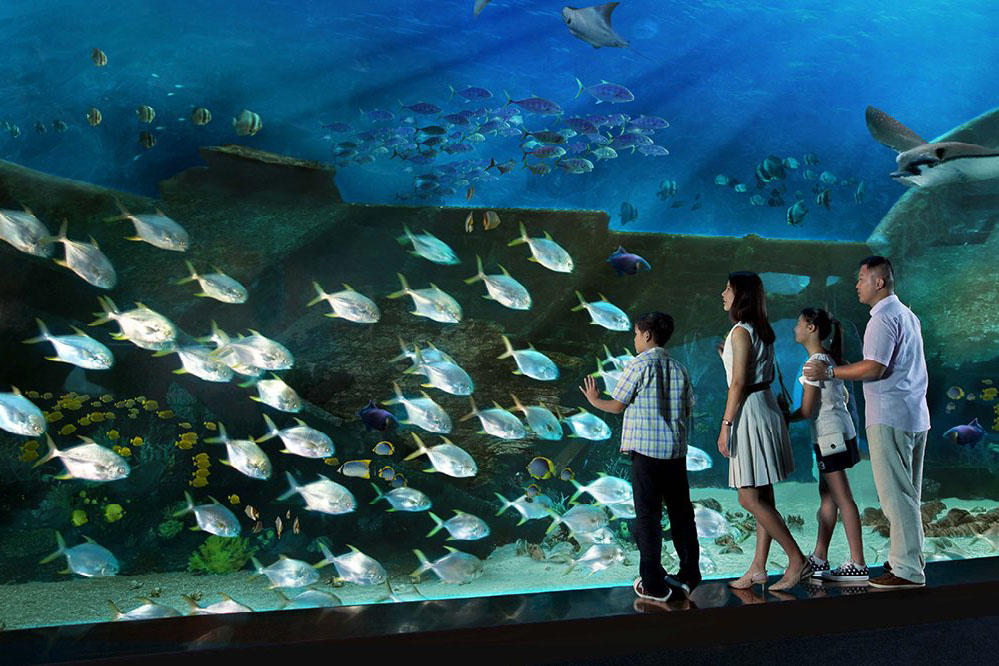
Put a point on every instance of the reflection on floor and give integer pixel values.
(577, 625)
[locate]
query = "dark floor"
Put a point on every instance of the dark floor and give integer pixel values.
(954, 620)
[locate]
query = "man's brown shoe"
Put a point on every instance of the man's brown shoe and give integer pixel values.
(892, 582)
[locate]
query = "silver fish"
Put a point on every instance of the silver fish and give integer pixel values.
(237, 360)
(301, 440)
(147, 611)
(143, 327)
(580, 519)
(710, 523)
(545, 251)
(605, 490)
(309, 599)
(287, 572)
(456, 567)
(529, 508)
(227, 605)
(355, 566)
(542, 422)
(244, 455)
(212, 518)
(422, 412)
(429, 247)
(79, 350)
(323, 495)
(216, 285)
(610, 377)
(622, 509)
(597, 557)
(156, 229)
(89, 461)
(20, 416)
(25, 232)
(462, 527)
(277, 394)
(430, 353)
(257, 350)
(86, 260)
(199, 361)
(502, 288)
(497, 421)
(444, 375)
(588, 426)
(530, 362)
(446, 458)
(432, 303)
(403, 499)
(87, 559)
(348, 304)
(604, 313)
(697, 459)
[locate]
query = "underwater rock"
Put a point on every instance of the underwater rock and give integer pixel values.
(874, 517)
(930, 510)
(725, 540)
(795, 523)
(954, 518)
(731, 549)
(238, 171)
(709, 503)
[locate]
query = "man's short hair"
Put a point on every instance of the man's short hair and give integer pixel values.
(659, 324)
(883, 266)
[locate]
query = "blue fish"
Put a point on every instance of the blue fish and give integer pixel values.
(376, 418)
(966, 435)
(623, 262)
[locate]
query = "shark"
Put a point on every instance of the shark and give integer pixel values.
(923, 163)
(593, 25)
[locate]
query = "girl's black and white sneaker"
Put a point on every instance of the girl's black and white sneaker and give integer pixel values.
(818, 570)
(848, 572)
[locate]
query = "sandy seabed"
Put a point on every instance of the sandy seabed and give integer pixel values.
(84, 600)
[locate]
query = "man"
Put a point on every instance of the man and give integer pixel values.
(894, 375)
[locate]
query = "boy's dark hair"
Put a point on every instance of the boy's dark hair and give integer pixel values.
(749, 304)
(883, 266)
(659, 324)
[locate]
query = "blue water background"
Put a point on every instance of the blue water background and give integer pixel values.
(737, 81)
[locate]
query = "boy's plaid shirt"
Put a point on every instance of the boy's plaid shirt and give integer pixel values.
(659, 399)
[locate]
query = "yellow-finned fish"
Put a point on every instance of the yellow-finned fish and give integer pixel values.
(360, 469)
(384, 448)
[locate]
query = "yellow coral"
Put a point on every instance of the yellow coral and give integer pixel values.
(113, 435)
(199, 482)
(67, 429)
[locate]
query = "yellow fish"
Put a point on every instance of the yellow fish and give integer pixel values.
(357, 468)
(490, 220)
(234, 499)
(384, 448)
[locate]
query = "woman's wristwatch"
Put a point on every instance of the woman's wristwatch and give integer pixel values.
(726, 422)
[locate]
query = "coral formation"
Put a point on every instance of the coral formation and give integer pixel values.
(218, 555)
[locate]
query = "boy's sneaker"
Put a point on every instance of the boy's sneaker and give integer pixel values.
(847, 572)
(682, 585)
(640, 591)
(818, 570)
(892, 582)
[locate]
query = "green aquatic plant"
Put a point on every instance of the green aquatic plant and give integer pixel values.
(218, 555)
(168, 529)
(265, 539)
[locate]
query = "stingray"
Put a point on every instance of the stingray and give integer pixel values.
(929, 164)
(593, 25)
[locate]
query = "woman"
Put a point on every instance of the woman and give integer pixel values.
(834, 438)
(753, 433)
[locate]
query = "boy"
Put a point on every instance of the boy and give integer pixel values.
(655, 394)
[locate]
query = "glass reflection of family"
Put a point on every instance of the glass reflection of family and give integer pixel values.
(655, 394)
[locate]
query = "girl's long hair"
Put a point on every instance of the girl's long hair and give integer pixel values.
(826, 324)
(750, 304)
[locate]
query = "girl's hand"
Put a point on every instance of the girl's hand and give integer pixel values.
(589, 389)
(723, 440)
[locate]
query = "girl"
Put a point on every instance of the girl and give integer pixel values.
(753, 433)
(834, 438)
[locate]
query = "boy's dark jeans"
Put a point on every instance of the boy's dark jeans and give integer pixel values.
(655, 481)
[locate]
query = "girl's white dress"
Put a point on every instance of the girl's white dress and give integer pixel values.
(759, 446)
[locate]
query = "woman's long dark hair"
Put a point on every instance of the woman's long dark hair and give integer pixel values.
(825, 323)
(749, 304)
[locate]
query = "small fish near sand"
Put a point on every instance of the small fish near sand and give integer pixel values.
(87, 559)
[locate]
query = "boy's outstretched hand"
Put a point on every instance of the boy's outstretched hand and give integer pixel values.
(589, 389)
